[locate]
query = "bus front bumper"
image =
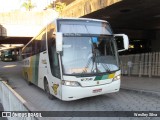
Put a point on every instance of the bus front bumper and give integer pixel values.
(73, 93)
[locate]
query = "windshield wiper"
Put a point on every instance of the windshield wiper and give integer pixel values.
(93, 58)
(106, 67)
(87, 65)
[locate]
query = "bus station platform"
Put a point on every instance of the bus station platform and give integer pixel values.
(141, 84)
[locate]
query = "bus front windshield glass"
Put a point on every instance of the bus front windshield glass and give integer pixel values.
(89, 55)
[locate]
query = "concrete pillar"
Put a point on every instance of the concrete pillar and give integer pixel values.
(142, 64)
(146, 64)
(153, 64)
(159, 65)
(156, 42)
(140, 68)
(150, 65)
(156, 70)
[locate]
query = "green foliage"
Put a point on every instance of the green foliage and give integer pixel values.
(50, 6)
(28, 5)
(60, 6)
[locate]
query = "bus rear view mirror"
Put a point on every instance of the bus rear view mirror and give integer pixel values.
(122, 42)
(59, 41)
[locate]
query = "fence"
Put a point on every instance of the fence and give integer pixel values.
(12, 101)
(146, 64)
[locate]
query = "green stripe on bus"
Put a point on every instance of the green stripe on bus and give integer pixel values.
(104, 77)
(35, 68)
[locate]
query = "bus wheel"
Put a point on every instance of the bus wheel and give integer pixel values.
(28, 82)
(46, 88)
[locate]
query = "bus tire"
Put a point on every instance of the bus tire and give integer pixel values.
(28, 82)
(46, 88)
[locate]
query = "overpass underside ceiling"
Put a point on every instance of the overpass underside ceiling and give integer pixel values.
(131, 14)
(15, 40)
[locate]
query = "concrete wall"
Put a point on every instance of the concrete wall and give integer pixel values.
(80, 8)
(3, 31)
(151, 37)
(156, 42)
(132, 34)
(24, 24)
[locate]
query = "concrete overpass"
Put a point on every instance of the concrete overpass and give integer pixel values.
(139, 19)
(20, 27)
(130, 14)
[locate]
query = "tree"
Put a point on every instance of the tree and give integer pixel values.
(59, 6)
(28, 5)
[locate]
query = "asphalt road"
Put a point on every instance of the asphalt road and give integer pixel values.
(121, 101)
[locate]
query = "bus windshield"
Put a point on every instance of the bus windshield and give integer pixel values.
(89, 55)
(84, 27)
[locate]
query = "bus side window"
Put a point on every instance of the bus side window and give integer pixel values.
(29, 50)
(36, 46)
(33, 47)
(43, 43)
(53, 58)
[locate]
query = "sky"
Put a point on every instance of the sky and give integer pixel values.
(10, 5)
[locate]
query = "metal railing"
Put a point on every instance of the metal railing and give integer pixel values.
(12, 102)
(147, 64)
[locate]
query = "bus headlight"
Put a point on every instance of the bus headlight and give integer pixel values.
(70, 83)
(118, 77)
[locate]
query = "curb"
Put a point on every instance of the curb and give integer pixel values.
(146, 92)
(29, 107)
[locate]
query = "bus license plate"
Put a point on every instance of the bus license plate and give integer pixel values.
(97, 90)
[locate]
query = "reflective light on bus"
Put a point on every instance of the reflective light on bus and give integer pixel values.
(118, 77)
(9, 66)
(70, 83)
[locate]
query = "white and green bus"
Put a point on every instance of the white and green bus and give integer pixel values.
(74, 58)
